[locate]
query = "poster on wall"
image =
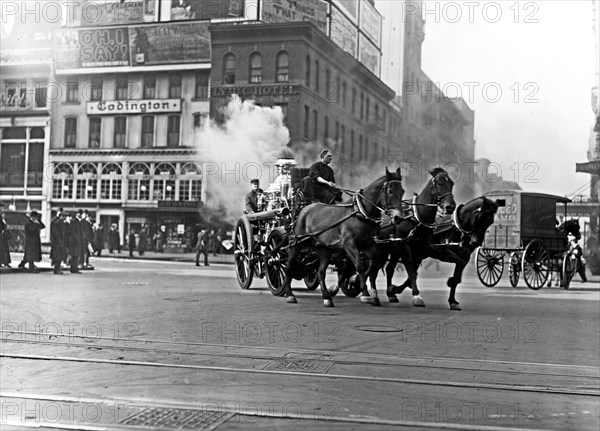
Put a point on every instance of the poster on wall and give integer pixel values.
(369, 55)
(98, 47)
(349, 7)
(370, 22)
(343, 32)
(315, 11)
(160, 44)
(206, 9)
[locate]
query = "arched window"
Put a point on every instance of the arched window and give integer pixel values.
(37, 133)
(282, 67)
(164, 181)
(229, 69)
(190, 185)
(138, 182)
(307, 72)
(110, 181)
(87, 181)
(62, 181)
(255, 64)
(317, 82)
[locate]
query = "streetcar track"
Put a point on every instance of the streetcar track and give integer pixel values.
(437, 383)
(285, 351)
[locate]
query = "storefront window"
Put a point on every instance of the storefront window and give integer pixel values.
(110, 183)
(164, 182)
(139, 182)
(87, 181)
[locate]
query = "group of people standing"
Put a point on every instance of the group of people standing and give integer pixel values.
(71, 240)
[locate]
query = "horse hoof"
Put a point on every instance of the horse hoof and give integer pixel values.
(455, 307)
(366, 299)
(292, 300)
(328, 303)
(376, 302)
(392, 299)
(418, 301)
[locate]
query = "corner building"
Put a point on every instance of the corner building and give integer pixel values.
(327, 96)
(123, 127)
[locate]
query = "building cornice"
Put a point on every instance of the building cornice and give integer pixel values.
(103, 152)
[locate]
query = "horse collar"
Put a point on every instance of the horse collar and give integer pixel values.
(361, 209)
(416, 213)
(457, 222)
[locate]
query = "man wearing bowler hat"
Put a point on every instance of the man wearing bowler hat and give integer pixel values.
(33, 244)
(76, 242)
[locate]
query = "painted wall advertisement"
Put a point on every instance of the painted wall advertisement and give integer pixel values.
(369, 55)
(206, 9)
(370, 22)
(314, 11)
(133, 45)
(343, 32)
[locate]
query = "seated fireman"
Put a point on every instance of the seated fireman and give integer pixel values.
(252, 198)
(322, 180)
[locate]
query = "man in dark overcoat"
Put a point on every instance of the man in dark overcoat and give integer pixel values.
(88, 238)
(33, 244)
(252, 203)
(324, 188)
(76, 242)
(4, 249)
(58, 252)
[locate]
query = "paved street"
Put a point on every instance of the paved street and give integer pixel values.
(165, 345)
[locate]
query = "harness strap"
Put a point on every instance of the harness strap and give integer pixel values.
(301, 238)
(416, 215)
(457, 221)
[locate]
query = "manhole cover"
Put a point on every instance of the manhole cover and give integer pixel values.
(299, 365)
(377, 328)
(177, 418)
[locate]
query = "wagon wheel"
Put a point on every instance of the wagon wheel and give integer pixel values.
(490, 265)
(311, 280)
(536, 264)
(242, 252)
(569, 267)
(514, 269)
(276, 263)
(351, 288)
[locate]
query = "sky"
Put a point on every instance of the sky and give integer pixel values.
(535, 61)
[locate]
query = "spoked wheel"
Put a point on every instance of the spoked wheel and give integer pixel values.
(242, 252)
(490, 266)
(514, 269)
(276, 264)
(352, 287)
(311, 280)
(569, 267)
(536, 264)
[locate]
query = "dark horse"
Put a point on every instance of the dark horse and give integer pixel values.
(409, 239)
(348, 227)
(454, 241)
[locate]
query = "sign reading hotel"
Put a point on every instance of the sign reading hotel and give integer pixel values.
(256, 90)
(149, 106)
(315, 11)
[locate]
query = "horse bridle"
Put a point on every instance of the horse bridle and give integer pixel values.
(437, 201)
(385, 210)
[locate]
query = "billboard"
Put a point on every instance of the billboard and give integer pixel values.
(166, 44)
(206, 9)
(343, 32)
(370, 22)
(97, 13)
(132, 45)
(369, 55)
(349, 7)
(315, 11)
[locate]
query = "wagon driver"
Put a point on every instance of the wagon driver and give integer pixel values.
(252, 197)
(323, 180)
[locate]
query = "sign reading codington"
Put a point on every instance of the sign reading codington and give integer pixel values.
(152, 106)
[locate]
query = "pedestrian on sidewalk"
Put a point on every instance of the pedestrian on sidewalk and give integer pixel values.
(33, 244)
(202, 247)
(131, 242)
(58, 252)
(142, 241)
(114, 239)
(88, 238)
(76, 244)
(98, 239)
(4, 249)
